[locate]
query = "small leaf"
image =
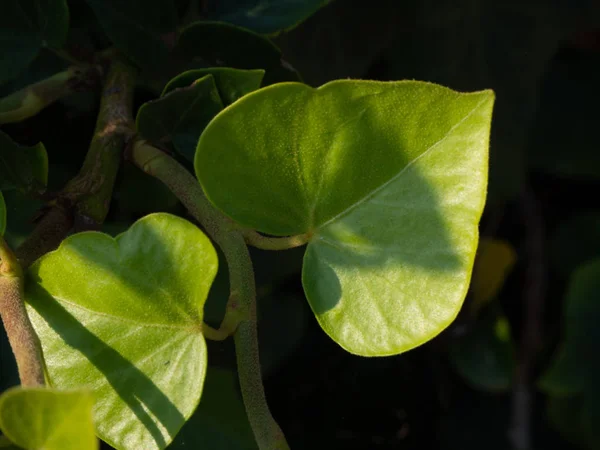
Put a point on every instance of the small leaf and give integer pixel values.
(232, 84)
(180, 116)
(263, 16)
(387, 179)
(494, 261)
(2, 214)
(485, 356)
(23, 168)
(220, 422)
(222, 44)
(576, 369)
(27, 26)
(575, 241)
(142, 29)
(123, 318)
(41, 418)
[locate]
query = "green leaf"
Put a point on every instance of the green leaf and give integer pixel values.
(576, 369)
(142, 29)
(575, 241)
(123, 318)
(223, 44)
(232, 84)
(485, 356)
(5, 444)
(180, 116)
(220, 422)
(41, 418)
(23, 168)
(387, 179)
(25, 27)
(2, 214)
(263, 16)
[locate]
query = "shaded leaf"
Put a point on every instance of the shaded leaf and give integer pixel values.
(2, 214)
(485, 356)
(21, 210)
(232, 84)
(142, 29)
(374, 173)
(263, 16)
(41, 418)
(575, 241)
(223, 44)
(220, 422)
(180, 116)
(494, 261)
(23, 168)
(576, 369)
(25, 27)
(123, 318)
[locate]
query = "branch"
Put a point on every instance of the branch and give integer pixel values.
(21, 335)
(274, 243)
(240, 315)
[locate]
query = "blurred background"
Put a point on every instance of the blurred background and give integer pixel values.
(520, 367)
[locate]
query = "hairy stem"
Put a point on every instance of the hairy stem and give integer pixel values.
(240, 316)
(21, 335)
(274, 243)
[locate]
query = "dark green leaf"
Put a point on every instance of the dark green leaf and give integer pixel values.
(21, 210)
(485, 356)
(23, 168)
(576, 369)
(123, 318)
(220, 422)
(232, 84)
(387, 179)
(576, 241)
(222, 44)
(2, 214)
(25, 27)
(142, 29)
(180, 116)
(263, 16)
(42, 418)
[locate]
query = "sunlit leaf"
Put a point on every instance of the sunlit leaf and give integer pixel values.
(387, 179)
(23, 168)
(123, 318)
(41, 418)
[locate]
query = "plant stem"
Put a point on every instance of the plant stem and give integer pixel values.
(240, 315)
(21, 335)
(274, 243)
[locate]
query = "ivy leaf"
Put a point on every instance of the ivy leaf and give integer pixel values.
(26, 26)
(23, 168)
(388, 181)
(223, 44)
(123, 318)
(2, 214)
(485, 356)
(41, 418)
(181, 115)
(142, 29)
(575, 241)
(220, 422)
(576, 369)
(232, 84)
(263, 16)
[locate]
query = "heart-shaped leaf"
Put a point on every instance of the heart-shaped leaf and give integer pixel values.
(232, 84)
(262, 16)
(23, 168)
(576, 369)
(123, 318)
(142, 29)
(387, 179)
(40, 418)
(27, 26)
(223, 44)
(180, 116)
(2, 214)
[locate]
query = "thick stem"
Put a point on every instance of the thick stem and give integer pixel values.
(21, 335)
(240, 314)
(274, 243)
